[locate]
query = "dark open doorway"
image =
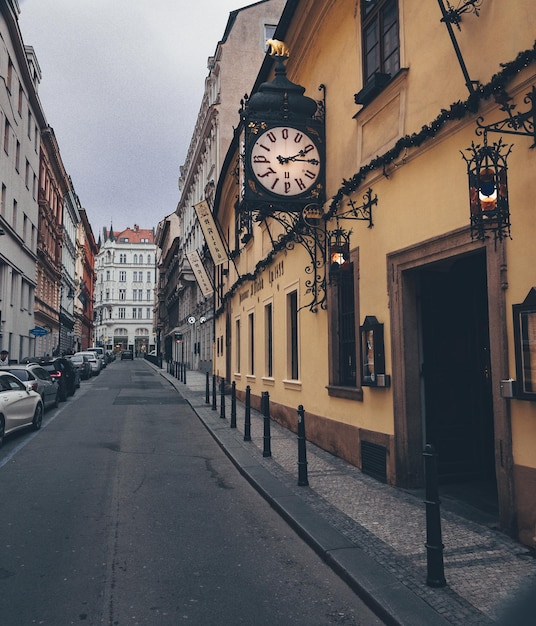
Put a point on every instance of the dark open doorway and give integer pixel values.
(456, 376)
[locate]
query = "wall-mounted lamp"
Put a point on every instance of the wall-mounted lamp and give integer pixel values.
(488, 189)
(338, 251)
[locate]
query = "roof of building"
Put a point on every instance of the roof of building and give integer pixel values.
(129, 235)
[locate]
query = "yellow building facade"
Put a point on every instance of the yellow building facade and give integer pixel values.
(402, 330)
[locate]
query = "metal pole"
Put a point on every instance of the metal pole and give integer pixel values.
(222, 398)
(207, 388)
(265, 409)
(184, 375)
(233, 404)
(302, 451)
(214, 392)
(434, 545)
(247, 416)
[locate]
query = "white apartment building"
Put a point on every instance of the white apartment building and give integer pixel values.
(21, 119)
(124, 293)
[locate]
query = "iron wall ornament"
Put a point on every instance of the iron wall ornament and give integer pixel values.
(522, 124)
(453, 15)
(488, 189)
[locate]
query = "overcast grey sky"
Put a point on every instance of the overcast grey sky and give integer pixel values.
(122, 85)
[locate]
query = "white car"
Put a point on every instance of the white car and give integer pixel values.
(94, 361)
(101, 354)
(20, 407)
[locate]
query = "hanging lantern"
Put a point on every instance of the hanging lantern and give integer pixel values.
(488, 189)
(338, 251)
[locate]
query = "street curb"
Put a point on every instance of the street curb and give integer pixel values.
(390, 599)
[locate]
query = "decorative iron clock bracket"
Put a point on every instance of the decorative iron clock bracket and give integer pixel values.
(522, 124)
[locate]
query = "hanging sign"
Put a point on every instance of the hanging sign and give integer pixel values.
(211, 232)
(200, 273)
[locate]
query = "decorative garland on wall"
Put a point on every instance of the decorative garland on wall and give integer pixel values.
(456, 111)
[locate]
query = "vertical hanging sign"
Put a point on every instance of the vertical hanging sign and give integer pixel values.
(200, 273)
(211, 232)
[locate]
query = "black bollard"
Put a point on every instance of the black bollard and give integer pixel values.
(233, 404)
(214, 392)
(247, 415)
(207, 388)
(302, 451)
(265, 409)
(184, 375)
(222, 398)
(434, 546)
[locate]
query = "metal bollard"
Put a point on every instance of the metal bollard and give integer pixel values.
(247, 415)
(184, 374)
(214, 392)
(265, 409)
(207, 388)
(222, 398)
(302, 451)
(233, 404)
(434, 546)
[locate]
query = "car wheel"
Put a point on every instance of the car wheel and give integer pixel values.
(38, 417)
(2, 430)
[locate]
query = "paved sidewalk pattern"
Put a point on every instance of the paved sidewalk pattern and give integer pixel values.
(369, 532)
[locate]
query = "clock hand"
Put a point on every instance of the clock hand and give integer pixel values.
(294, 158)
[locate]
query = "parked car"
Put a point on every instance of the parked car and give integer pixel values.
(81, 362)
(101, 355)
(20, 407)
(127, 354)
(64, 373)
(39, 380)
(94, 361)
(110, 355)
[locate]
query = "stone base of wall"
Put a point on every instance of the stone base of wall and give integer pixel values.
(525, 486)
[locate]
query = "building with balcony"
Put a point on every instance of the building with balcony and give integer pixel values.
(124, 292)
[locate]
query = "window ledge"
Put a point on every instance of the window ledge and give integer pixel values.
(296, 385)
(348, 393)
(367, 95)
(251, 378)
(269, 381)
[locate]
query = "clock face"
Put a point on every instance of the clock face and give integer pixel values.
(285, 161)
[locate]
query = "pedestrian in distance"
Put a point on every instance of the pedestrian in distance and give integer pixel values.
(4, 357)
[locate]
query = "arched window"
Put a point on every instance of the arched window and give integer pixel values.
(135, 259)
(141, 259)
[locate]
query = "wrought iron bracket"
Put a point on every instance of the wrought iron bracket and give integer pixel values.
(361, 212)
(522, 124)
(454, 15)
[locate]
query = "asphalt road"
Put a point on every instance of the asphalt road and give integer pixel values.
(123, 510)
